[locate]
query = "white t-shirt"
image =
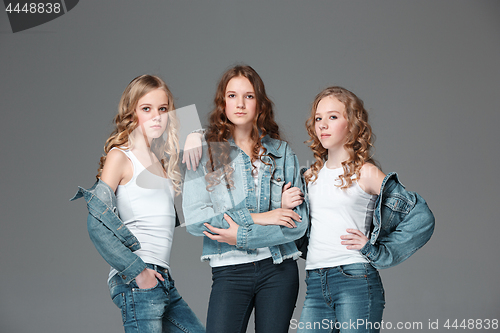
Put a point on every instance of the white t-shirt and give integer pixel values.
(332, 211)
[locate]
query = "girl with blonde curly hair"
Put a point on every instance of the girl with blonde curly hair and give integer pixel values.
(361, 219)
(133, 230)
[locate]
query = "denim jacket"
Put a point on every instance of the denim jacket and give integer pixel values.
(402, 223)
(202, 206)
(112, 239)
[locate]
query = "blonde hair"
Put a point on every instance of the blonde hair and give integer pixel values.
(126, 121)
(359, 140)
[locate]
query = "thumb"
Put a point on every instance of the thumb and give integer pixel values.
(158, 276)
(287, 186)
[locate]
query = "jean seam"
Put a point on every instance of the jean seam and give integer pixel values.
(325, 289)
(177, 324)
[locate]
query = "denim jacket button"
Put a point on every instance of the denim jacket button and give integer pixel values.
(279, 179)
(124, 277)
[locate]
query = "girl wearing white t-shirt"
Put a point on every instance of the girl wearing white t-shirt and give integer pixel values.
(343, 288)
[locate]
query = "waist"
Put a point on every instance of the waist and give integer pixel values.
(340, 268)
(160, 269)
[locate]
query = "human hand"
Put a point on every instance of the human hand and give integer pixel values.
(192, 150)
(147, 278)
(281, 216)
(228, 235)
(355, 240)
(291, 197)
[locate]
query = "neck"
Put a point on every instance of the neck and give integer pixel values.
(242, 135)
(141, 142)
(242, 138)
(336, 157)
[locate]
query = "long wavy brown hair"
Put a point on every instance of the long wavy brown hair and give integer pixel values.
(126, 121)
(359, 141)
(220, 129)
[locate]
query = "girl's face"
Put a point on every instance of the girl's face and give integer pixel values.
(152, 115)
(241, 104)
(330, 123)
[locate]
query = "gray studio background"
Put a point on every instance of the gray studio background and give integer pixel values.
(428, 72)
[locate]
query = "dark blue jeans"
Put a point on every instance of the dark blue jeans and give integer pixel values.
(346, 298)
(156, 310)
(237, 289)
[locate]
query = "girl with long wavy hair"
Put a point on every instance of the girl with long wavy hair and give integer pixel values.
(234, 199)
(361, 219)
(133, 229)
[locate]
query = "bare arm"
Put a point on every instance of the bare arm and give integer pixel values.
(192, 150)
(118, 170)
(371, 179)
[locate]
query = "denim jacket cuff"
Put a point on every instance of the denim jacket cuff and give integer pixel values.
(242, 237)
(244, 216)
(368, 251)
(129, 273)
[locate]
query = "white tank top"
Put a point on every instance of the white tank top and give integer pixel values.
(146, 206)
(332, 211)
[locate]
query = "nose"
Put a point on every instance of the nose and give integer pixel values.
(322, 124)
(241, 103)
(156, 114)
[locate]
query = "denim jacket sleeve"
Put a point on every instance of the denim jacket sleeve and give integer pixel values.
(254, 236)
(112, 239)
(198, 209)
(303, 241)
(402, 224)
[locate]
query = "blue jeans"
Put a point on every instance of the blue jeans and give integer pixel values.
(271, 289)
(347, 298)
(155, 310)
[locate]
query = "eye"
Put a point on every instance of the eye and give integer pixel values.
(317, 119)
(333, 117)
(146, 109)
(230, 95)
(250, 96)
(163, 109)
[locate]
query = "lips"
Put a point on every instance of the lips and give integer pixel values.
(324, 136)
(240, 113)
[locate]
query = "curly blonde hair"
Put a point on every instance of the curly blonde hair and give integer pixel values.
(126, 121)
(220, 129)
(359, 140)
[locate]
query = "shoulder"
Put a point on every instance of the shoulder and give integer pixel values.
(117, 168)
(371, 178)
(116, 155)
(276, 143)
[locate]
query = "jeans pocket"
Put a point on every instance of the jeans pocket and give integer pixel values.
(119, 300)
(135, 287)
(355, 271)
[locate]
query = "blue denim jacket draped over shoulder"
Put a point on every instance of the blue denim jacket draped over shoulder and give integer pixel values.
(402, 224)
(112, 239)
(202, 206)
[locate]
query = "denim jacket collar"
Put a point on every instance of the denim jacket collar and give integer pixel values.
(100, 189)
(267, 143)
